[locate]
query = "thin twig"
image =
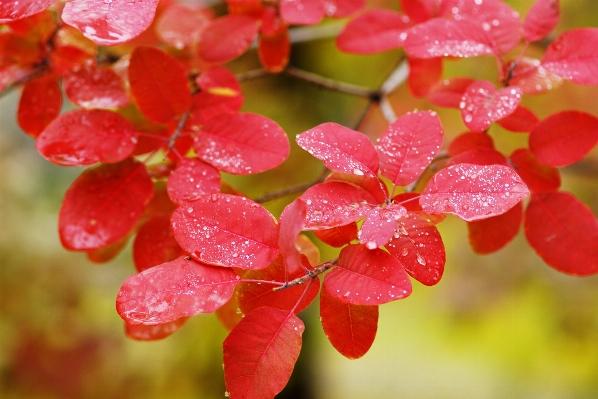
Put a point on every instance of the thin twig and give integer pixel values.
(254, 74)
(315, 32)
(440, 156)
(311, 274)
(291, 190)
(332, 84)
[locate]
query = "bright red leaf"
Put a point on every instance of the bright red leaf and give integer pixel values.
(482, 104)
(274, 51)
(367, 277)
(191, 179)
(338, 236)
(260, 353)
(529, 75)
(372, 185)
(417, 10)
(564, 138)
(341, 149)
(351, 329)
(104, 204)
(479, 156)
(469, 141)
(541, 19)
(408, 146)
(13, 10)
(243, 143)
(522, 120)
(155, 244)
(473, 192)
(291, 222)
(448, 92)
(573, 56)
(159, 84)
(39, 104)
(380, 224)
(142, 332)
(92, 87)
(227, 230)
(84, 137)
(423, 75)
(220, 93)
(490, 235)
(417, 245)
(228, 37)
(180, 288)
(110, 22)
(564, 232)
(537, 176)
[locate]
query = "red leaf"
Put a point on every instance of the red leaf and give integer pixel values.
(537, 176)
(341, 149)
(228, 37)
(301, 12)
(338, 236)
(379, 225)
(367, 277)
(573, 56)
(473, 192)
(351, 329)
(441, 37)
(104, 204)
(564, 138)
(142, 332)
(335, 204)
(522, 120)
(416, 10)
(531, 77)
(229, 314)
(408, 146)
(110, 23)
(470, 141)
(39, 104)
(423, 75)
(410, 201)
(182, 25)
(372, 185)
(252, 295)
(373, 32)
(541, 19)
(274, 51)
(490, 235)
(480, 156)
(155, 244)
(417, 244)
(260, 353)
(191, 179)
(84, 137)
(13, 10)
(342, 8)
(107, 253)
(482, 104)
(564, 232)
(243, 143)
(291, 222)
(93, 87)
(448, 92)
(158, 84)
(172, 290)
(227, 230)
(220, 93)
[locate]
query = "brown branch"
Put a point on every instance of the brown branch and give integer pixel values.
(291, 190)
(311, 274)
(332, 84)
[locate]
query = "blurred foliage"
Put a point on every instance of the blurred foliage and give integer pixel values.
(499, 326)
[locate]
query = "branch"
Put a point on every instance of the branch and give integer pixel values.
(291, 190)
(332, 84)
(310, 275)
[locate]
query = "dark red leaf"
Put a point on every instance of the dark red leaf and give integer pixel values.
(39, 104)
(107, 253)
(335, 204)
(473, 192)
(573, 56)
(110, 23)
(373, 32)
(13, 10)
(191, 179)
(220, 93)
(180, 288)
(448, 92)
(536, 175)
(367, 277)
(229, 314)
(227, 230)
(522, 120)
(227, 37)
(160, 205)
(182, 25)
(84, 137)
(480, 156)
(408, 146)
(531, 77)
(541, 19)
(469, 141)
(93, 87)
(423, 75)
(274, 51)
(341, 149)
(416, 10)
(159, 84)
(482, 104)
(155, 244)
(564, 232)
(243, 143)
(307, 247)
(564, 138)
(351, 329)
(302, 12)
(260, 353)
(490, 235)
(372, 185)
(104, 204)
(417, 244)
(338, 236)
(142, 332)
(291, 222)
(379, 225)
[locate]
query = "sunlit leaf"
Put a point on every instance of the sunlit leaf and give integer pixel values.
(482, 104)
(39, 104)
(537, 176)
(541, 19)
(490, 235)
(379, 225)
(191, 179)
(13, 10)
(573, 56)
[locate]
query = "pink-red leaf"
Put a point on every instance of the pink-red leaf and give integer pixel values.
(84, 137)
(479, 156)
(228, 37)
(301, 12)
(423, 75)
(380, 224)
(142, 332)
(351, 329)
(490, 235)
(191, 179)
(408, 146)
(181, 25)
(104, 204)
(448, 92)
(260, 353)
(417, 244)
(242, 143)
(522, 120)
(159, 84)
(469, 141)
(342, 8)
(227, 230)
(564, 232)
(417, 10)
(473, 192)
(155, 244)
(110, 22)
(541, 19)
(482, 104)
(531, 76)
(13, 10)
(92, 87)
(573, 56)
(341, 149)
(39, 104)
(367, 277)
(180, 288)
(291, 222)
(564, 138)
(537, 176)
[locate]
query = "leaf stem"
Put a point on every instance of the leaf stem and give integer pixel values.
(440, 156)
